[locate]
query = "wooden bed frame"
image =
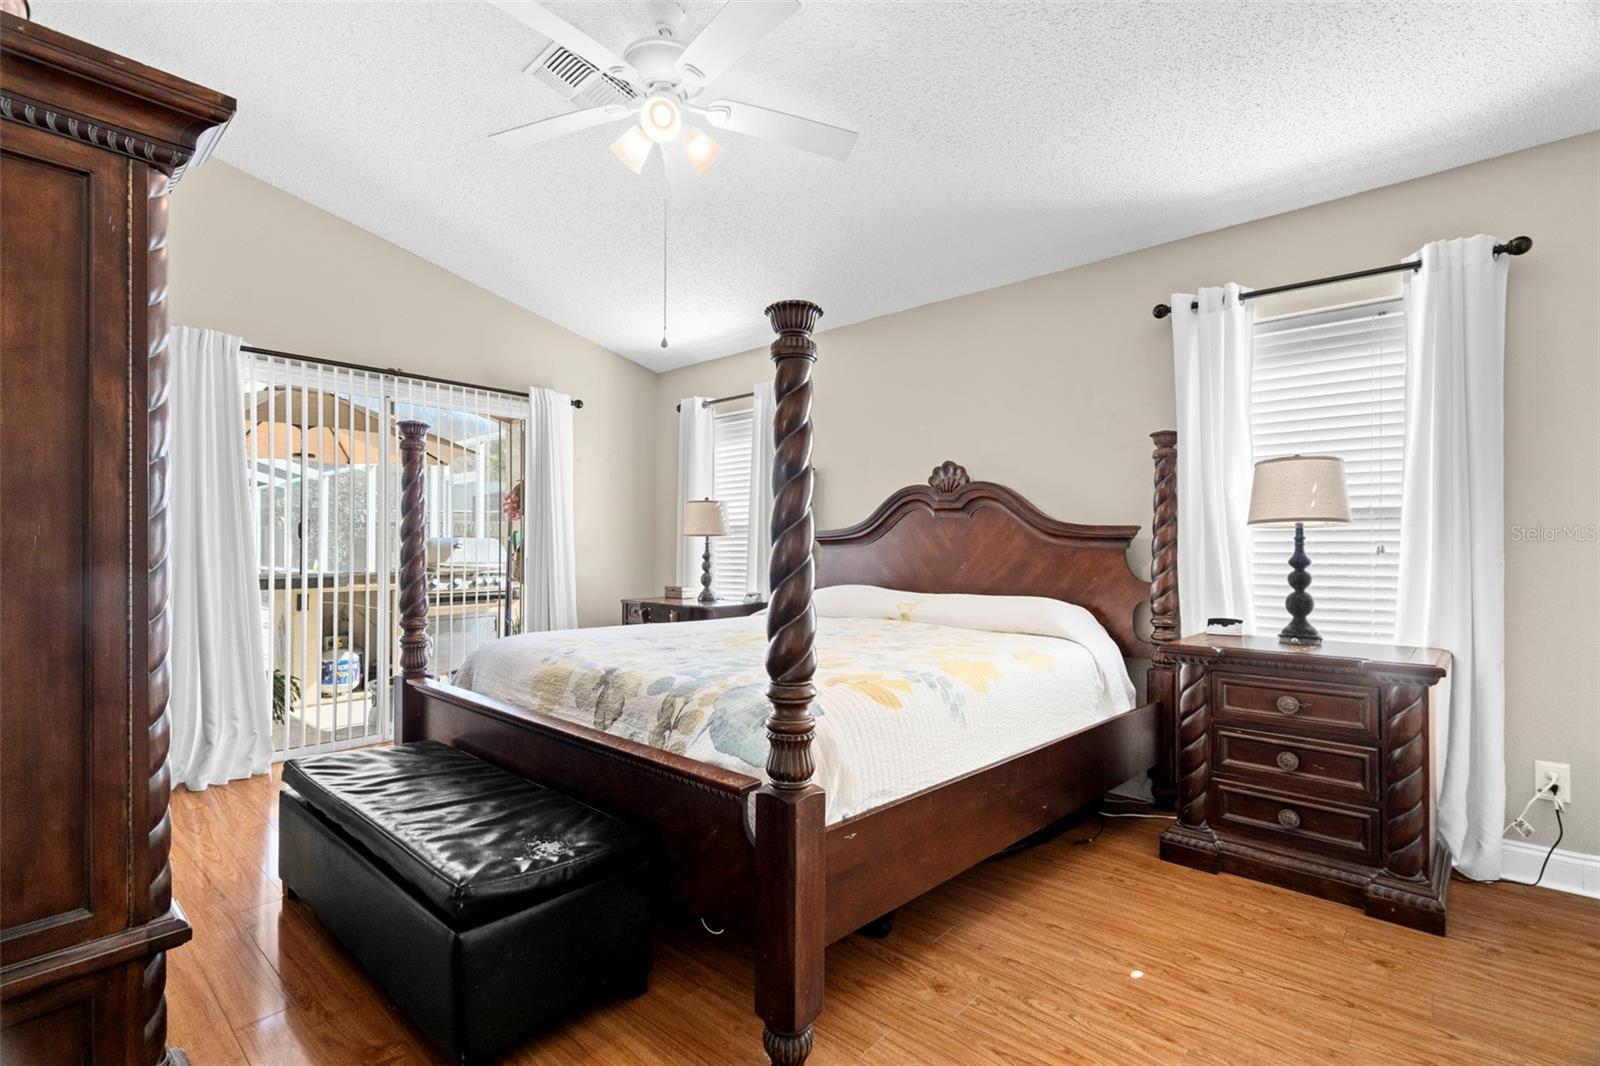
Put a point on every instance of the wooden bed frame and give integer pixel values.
(783, 875)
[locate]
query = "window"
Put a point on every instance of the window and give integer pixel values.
(731, 441)
(1333, 383)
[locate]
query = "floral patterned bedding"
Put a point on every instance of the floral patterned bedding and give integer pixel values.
(901, 705)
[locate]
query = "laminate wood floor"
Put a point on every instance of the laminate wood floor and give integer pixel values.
(1030, 959)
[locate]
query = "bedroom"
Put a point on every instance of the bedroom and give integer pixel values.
(346, 248)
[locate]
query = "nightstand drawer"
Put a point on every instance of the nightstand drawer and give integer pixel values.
(1292, 821)
(1300, 765)
(659, 612)
(1281, 703)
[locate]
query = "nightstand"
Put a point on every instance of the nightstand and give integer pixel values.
(1309, 768)
(660, 609)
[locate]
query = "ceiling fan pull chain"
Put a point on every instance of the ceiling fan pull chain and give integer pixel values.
(663, 274)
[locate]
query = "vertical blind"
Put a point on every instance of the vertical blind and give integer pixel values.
(323, 462)
(1333, 383)
(732, 438)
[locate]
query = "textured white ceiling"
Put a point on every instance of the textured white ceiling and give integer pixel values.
(999, 141)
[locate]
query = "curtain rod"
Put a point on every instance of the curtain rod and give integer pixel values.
(387, 370)
(720, 399)
(1515, 246)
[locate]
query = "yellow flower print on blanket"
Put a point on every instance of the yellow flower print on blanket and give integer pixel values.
(683, 687)
(885, 691)
(1035, 660)
(900, 704)
(974, 673)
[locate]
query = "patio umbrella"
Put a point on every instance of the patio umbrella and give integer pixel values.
(325, 427)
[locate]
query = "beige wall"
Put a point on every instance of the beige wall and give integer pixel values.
(1052, 385)
(252, 260)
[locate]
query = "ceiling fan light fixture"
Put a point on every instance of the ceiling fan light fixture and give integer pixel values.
(700, 148)
(633, 148)
(661, 118)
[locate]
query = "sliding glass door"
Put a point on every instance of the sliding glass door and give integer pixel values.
(325, 465)
(476, 453)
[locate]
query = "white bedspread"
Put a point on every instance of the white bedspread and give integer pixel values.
(902, 704)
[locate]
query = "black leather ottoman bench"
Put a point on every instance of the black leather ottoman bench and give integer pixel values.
(487, 906)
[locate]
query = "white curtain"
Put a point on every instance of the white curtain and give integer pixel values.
(762, 453)
(1211, 351)
(221, 716)
(1452, 529)
(550, 567)
(694, 479)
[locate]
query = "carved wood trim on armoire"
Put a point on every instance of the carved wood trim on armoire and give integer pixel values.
(90, 144)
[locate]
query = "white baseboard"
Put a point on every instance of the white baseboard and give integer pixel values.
(1569, 871)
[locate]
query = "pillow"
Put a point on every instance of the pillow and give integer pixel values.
(1036, 615)
(866, 601)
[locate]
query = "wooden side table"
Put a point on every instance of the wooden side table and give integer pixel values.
(1309, 768)
(650, 609)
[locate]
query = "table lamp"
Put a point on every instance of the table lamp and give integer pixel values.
(704, 518)
(1302, 490)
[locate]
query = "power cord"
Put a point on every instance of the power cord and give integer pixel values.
(1560, 832)
(1520, 822)
(1092, 837)
(1552, 787)
(1141, 809)
(1050, 832)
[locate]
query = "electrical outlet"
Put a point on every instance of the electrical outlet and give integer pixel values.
(1563, 771)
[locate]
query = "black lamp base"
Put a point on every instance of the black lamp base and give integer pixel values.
(706, 595)
(1299, 631)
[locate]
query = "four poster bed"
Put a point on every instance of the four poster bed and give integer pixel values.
(760, 856)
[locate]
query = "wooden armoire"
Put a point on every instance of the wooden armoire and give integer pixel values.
(91, 143)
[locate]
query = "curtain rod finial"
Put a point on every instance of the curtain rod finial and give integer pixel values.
(1515, 246)
(1161, 310)
(578, 404)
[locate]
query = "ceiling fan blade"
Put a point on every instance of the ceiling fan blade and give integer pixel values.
(546, 129)
(731, 33)
(568, 36)
(835, 142)
(682, 182)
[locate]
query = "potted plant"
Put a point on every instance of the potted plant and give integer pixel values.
(285, 695)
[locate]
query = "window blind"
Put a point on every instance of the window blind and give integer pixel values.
(732, 438)
(324, 469)
(1333, 383)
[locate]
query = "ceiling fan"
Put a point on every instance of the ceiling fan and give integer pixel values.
(657, 81)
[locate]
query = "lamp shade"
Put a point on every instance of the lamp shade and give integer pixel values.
(1299, 488)
(633, 148)
(704, 518)
(700, 148)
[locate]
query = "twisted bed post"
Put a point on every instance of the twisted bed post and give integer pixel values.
(413, 573)
(1164, 623)
(790, 875)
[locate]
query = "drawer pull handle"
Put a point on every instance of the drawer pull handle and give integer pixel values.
(1288, 705)
(1289, 819)
(1288, 761)
(672, 616)
(644, 614)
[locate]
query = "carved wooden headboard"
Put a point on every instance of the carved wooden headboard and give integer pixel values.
(958, 535)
